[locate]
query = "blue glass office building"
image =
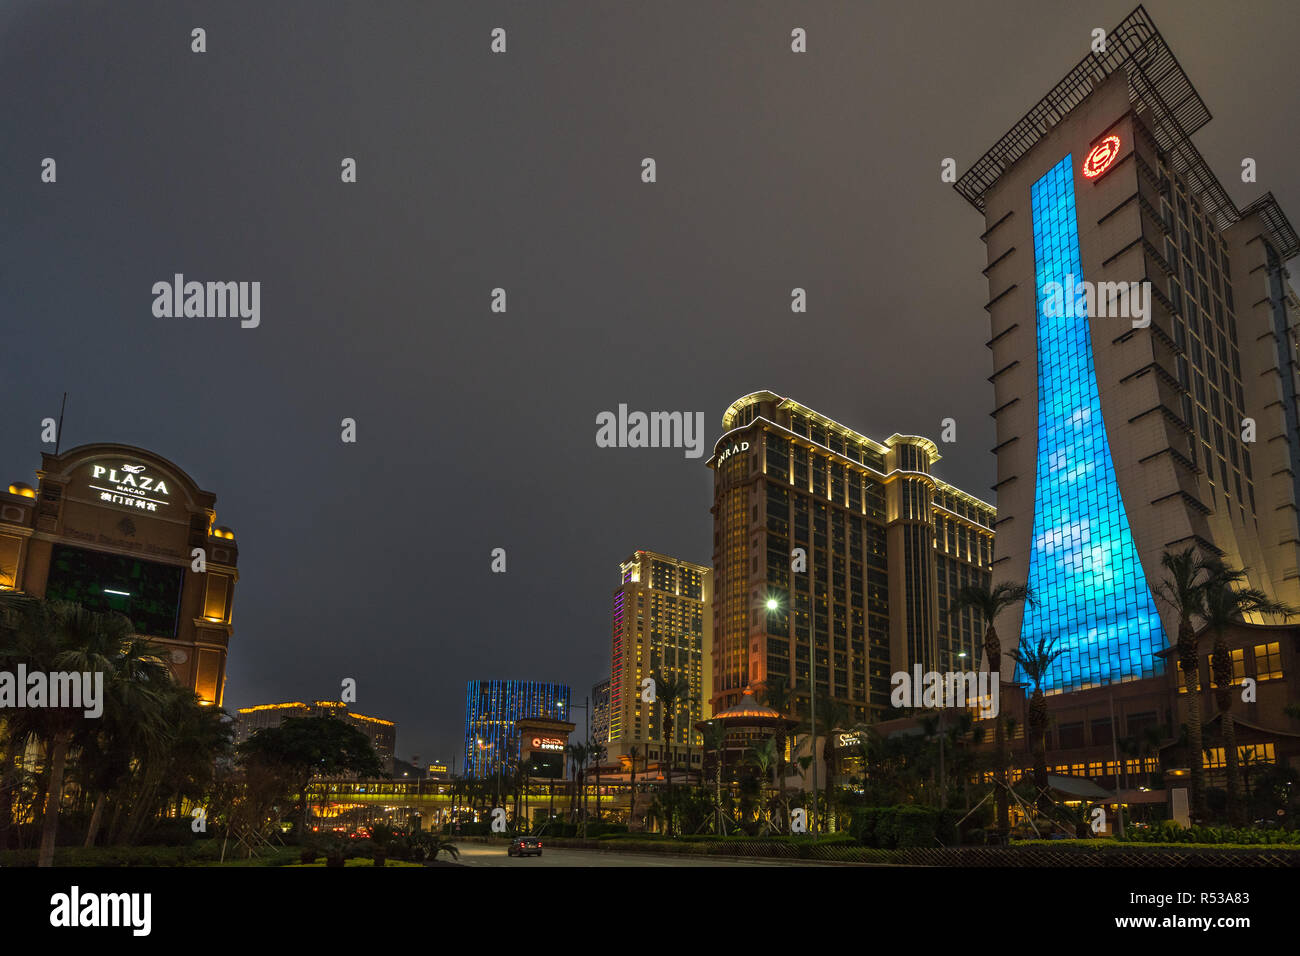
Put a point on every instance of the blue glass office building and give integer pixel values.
(492, 708)
(1091, 593)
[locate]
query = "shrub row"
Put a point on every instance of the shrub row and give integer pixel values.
(200, 853)
(1171, 831)
(890, 827)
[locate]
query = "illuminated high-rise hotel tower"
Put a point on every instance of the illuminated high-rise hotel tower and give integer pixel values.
(829, 544)
(662, 624)
(1119, 440)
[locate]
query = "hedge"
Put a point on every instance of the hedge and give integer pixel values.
(890, 827)
(1170, 831)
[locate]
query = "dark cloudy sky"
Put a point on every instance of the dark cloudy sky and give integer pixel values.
(477, 430)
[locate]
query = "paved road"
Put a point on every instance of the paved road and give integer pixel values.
(481, 854)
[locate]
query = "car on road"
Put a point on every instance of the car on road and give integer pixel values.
(525, 846)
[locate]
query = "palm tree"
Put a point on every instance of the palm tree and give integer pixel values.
(550, 786)
(967, 736)
(715, 740)
(1187, 575)
(180, 763)
(382, 836)
(762, 755)
(19, 636)
(133, 726)
(595, 754)
(1142, 745)
(1035, 663)
(516, 778)
(577, 758)
(671, 693)
(780, 697)
(990, 602)
(633, 753)
(834, 717)
(62, 636)
(1226, 604)
(435, 844)
(871, 752)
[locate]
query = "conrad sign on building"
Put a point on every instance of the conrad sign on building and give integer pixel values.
(117, 528)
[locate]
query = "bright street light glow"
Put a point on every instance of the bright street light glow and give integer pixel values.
(772, 604)
(122, 593)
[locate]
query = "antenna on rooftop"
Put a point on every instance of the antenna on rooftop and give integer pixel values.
(58, 436)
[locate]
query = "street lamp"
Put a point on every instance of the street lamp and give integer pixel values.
(772, 605)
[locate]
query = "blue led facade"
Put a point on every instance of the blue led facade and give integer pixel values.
(491, 709)
(1090, 590)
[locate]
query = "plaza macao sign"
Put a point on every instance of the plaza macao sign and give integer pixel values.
(128, 483)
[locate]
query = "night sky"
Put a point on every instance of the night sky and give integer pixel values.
(476, 430)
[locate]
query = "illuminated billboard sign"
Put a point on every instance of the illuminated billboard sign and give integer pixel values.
(129, 484)
(548, 743)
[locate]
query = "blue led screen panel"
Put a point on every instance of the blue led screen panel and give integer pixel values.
(1090, 591)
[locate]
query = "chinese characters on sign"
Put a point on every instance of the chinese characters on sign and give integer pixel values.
(129, 486)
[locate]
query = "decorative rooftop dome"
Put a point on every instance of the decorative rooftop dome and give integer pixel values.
(749, 707)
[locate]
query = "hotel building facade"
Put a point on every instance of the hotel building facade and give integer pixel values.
(600, 712)
(382, 733)
(1118, 441)
(662, 625)
(493, 710)
(117, 528)
(826, 539)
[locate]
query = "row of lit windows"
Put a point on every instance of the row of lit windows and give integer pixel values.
(1216, 758)
(731, 660)
(836, 442)
(954, 538)
(1203, 283)
(960, 506)
(811, 472)
(917, 560)
(1092, 769)
(1268, 664)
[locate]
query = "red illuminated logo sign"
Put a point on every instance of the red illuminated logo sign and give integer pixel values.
(1102, 157)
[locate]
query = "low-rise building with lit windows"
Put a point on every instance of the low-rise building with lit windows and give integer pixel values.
(1127, 738)
(382, 733)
